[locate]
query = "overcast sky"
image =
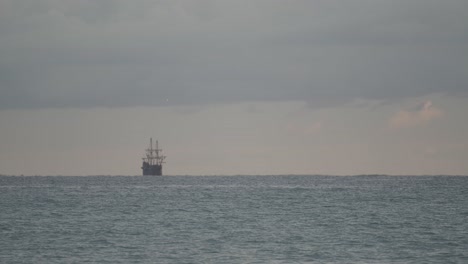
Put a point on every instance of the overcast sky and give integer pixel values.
(234, 87)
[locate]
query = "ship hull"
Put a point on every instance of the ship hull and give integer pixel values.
(151, 170)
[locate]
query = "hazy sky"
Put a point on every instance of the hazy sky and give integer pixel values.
(234, 87)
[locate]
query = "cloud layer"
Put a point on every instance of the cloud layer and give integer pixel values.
(425, 113)
(65, 53)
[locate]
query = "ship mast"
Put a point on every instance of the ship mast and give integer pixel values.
(154, 156)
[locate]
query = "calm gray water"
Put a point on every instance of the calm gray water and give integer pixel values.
(235, 219)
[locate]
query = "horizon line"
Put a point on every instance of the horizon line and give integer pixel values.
(245, 175)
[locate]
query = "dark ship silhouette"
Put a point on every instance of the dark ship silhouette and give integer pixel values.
(152, 162)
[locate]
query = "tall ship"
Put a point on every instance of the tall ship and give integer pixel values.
(153, 160)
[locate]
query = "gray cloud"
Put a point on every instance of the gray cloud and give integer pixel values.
(58, 53)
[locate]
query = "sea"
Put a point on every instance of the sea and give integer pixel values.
(234, 219)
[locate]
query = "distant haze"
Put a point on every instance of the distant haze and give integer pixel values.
(234, 87)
